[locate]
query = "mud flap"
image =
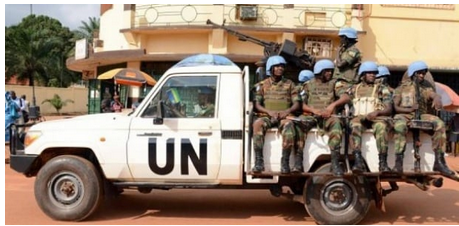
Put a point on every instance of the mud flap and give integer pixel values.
(379, 200)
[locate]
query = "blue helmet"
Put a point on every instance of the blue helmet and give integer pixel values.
(349, 32)
(416, 66)
(322, 65)
(382, 71)
(368, 66)
(274, 60)
(305, 75)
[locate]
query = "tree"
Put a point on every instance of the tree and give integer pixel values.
(88, 29)
(57, 102)
(28, 56)
(26, 42)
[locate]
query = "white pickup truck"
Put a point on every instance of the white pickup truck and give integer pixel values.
(165, 143)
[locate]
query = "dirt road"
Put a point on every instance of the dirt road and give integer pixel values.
(409, 205)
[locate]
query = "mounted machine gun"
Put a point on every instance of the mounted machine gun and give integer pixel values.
(288, 49)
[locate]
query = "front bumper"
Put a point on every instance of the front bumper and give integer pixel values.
(22, 163)
(19, 161)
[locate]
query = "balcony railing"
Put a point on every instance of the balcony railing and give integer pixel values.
(319, 17)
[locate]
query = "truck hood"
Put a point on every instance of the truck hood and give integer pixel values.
(103, 121)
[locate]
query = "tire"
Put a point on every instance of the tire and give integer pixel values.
(83, 184)
(336, 200)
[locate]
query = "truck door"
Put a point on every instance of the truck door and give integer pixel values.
(186, 145)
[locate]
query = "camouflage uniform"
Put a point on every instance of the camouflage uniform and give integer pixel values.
(276, 96)
(380, 125)
(407, 94)
(319, 95)
(349, 73)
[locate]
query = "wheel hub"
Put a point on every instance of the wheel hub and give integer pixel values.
(337, 196)
(66, 189)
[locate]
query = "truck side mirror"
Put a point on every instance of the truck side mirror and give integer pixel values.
(160, 115)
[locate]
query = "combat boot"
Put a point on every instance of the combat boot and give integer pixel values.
(259, 163)
(440, 164)
(398, 168)
(298, 167)
(359, 165)
(335, 167)
(285, 161)
(383, 167)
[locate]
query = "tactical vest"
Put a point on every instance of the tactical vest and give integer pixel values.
(408, 97)
(277, 97)
(321, 94)
(366, 99)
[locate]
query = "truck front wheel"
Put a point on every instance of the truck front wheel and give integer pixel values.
(68, 188)
(336, 200)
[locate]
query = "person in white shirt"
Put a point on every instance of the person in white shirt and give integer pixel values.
(27, 104)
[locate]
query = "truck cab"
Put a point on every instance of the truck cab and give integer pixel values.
(193, 130)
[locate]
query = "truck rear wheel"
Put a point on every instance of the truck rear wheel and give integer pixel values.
(336, 200)
(68, 188)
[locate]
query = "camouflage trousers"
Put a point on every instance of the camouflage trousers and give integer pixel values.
(380, 130)
(332, 126)
(286, 128)
(401, 129)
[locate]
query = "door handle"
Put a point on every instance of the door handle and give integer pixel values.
(149, 134)
(204, 133)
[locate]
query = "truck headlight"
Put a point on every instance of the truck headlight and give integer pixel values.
(31, 136)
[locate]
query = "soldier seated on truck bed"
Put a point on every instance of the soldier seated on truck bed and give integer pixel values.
(372, 109)
(323, 96)
(276, 97)
(408, 100)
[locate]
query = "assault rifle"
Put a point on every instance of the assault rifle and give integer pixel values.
(415, 130)
(300, 58)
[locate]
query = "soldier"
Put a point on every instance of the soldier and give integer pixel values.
(372, 108)
(383, 76)
(205, 106)
(303, 77)
(323, 96)
(276, 97)
(406, 103)
(349, 57)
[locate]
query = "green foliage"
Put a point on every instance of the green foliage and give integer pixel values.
(88, 29)
(57, 102)
(36, 49)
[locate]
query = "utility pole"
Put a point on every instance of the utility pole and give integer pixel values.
(34, 101)
(34, 110)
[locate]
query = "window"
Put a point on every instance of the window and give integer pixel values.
(186, 97)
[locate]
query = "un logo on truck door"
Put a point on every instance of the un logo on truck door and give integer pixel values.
(186, 152)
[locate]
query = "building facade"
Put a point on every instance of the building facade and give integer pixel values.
(154, 37)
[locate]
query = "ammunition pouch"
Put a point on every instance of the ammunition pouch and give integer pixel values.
(421, 124)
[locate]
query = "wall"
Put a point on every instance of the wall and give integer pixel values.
(111, 22)
(400, 35)
(78, 94)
